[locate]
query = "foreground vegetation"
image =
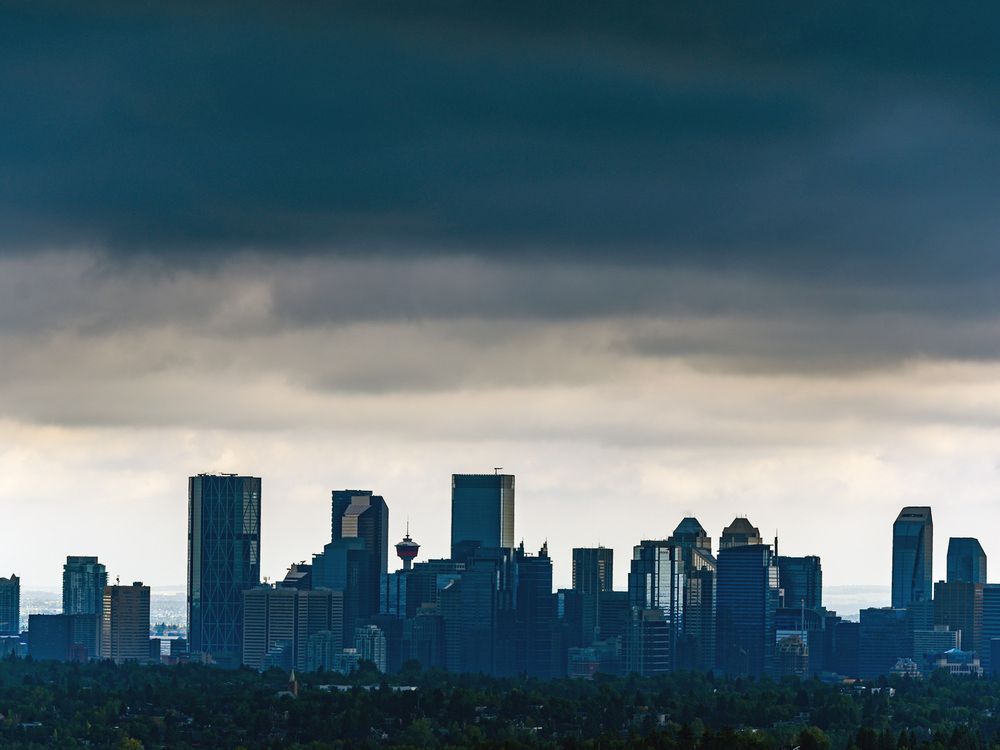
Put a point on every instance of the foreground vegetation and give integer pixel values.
(50, 705)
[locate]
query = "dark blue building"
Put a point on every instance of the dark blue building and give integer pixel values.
(912, 556)
(801, 581)
(966, 560)
(223, 561)
(885, 635)
(482, 513)
(356, 560)
(748, 598)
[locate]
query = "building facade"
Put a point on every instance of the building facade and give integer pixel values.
(801, 581)
(223, 561)
(748, 599)
(482, 513)
(10, 605)
(912, 556)
(696, 649)
(739, 534)
(966, 560)
(125, 626)
(361, 514)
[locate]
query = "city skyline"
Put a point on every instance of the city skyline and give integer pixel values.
(693, 261)
(562, 565)
(741, 523)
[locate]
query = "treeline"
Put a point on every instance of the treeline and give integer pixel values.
(99, 705)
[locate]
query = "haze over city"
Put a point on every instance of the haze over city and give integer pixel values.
(654, 263)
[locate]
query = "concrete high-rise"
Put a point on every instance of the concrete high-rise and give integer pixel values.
(912, 556)
(125, 628)
(10, 605)
(482, 513)
(278, 623)
(966, 560)
(223, 561)
(84, 580)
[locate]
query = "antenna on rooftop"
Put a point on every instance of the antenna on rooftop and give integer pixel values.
(497, 469)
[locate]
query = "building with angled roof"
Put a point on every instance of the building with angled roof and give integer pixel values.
(912, 556)
(739, 533)
(966, 560)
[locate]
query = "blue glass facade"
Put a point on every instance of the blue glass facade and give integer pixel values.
(482, 512)
(801, 580)
(655, 582)
(885, 635)
(748, 598)
(223, 561)
(912, 556)
(966, 561)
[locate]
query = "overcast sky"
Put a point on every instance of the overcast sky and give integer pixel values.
(715, 260)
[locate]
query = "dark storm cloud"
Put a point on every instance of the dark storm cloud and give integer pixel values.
(851, 141)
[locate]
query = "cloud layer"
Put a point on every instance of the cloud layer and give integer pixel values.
(715, 260)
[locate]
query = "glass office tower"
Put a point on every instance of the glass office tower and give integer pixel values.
(364, 516)
(801, 579)
(223, 561)
(966, 560)
(696, 650)
(748, 598)
(912, 555)
(482, 513)
(593, 569)
(655, 582)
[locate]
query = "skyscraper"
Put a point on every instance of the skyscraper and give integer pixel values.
(885, 635)
(125, 631)
(278, 623)
(361, 515)
(223, 561)
(697, 647)
(482, 512)
(84, 579)
(10, 605)
(912, 555)
(535, 613)
(966, 560)
(690, 534)
(748, 596)
(655, 582)
(739, 533)
(801, 580)
(593, 571)
(959, 606)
